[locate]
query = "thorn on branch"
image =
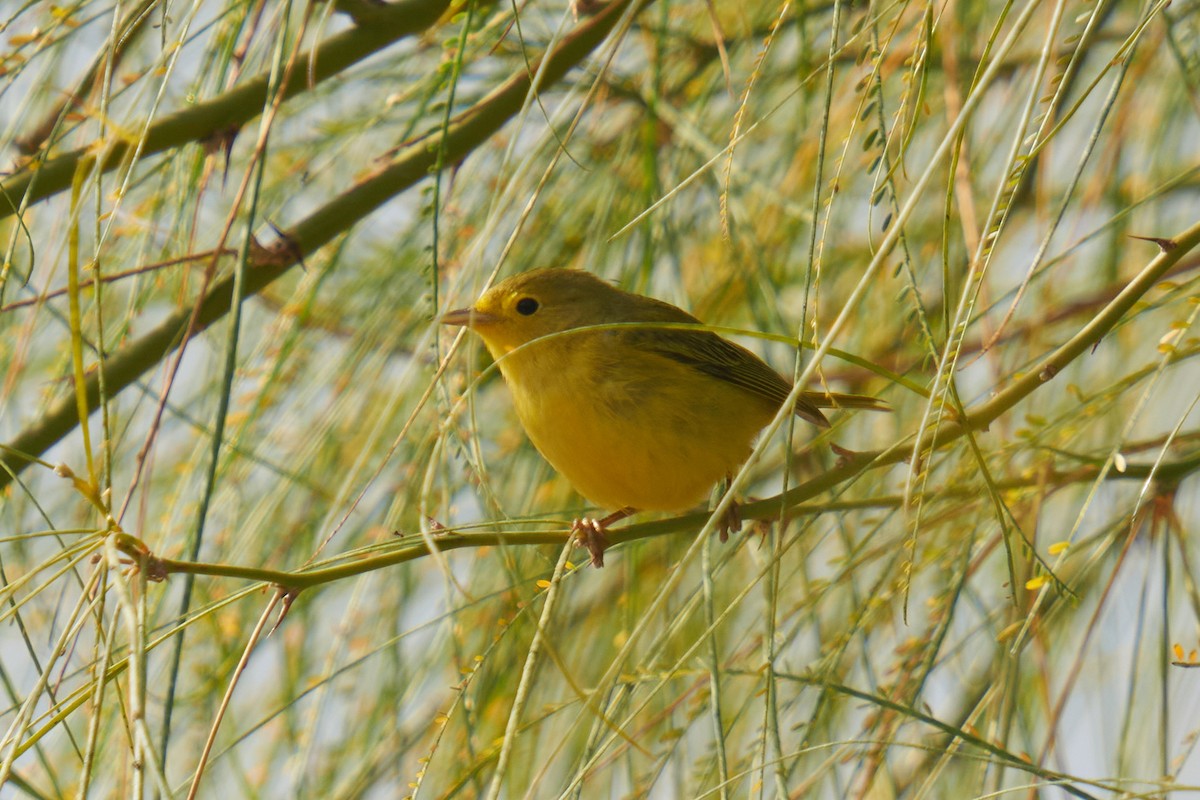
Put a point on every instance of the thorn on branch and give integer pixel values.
(760, 528)
(156, 568)
(222, 140)
(585, 8)
(141, 557)
(1165, 245)
(287, 596)
(844, 455)
(279, 253)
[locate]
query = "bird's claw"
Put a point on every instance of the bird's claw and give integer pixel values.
(731, 521)
(589, 532)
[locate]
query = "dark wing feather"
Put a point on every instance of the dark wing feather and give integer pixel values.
(712, 355)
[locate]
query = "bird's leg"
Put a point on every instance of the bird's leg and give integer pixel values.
(589, 532)
(731, 520)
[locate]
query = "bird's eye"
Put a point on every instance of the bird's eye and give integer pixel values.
(526, 306)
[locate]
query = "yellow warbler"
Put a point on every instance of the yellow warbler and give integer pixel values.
(635, 417)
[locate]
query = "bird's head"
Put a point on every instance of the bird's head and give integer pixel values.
(538, 303)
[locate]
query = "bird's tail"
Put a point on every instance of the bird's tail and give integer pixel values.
(843, 400)
(810, 404)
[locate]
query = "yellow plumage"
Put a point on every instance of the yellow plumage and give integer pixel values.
(617, 435)
(635, 417)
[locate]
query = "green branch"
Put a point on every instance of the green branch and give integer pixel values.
(1044, 371)
(416, 546)
(388, 24)
(791, 502)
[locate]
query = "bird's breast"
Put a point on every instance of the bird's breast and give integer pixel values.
(631, 429)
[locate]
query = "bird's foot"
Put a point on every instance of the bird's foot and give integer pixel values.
(731, 521)
(590, 533)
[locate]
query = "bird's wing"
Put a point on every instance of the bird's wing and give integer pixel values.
(712, 355)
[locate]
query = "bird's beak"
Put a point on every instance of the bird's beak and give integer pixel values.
(466, 317)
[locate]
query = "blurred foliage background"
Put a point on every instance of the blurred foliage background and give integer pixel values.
(229, 228)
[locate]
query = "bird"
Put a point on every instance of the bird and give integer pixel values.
(636, 416)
